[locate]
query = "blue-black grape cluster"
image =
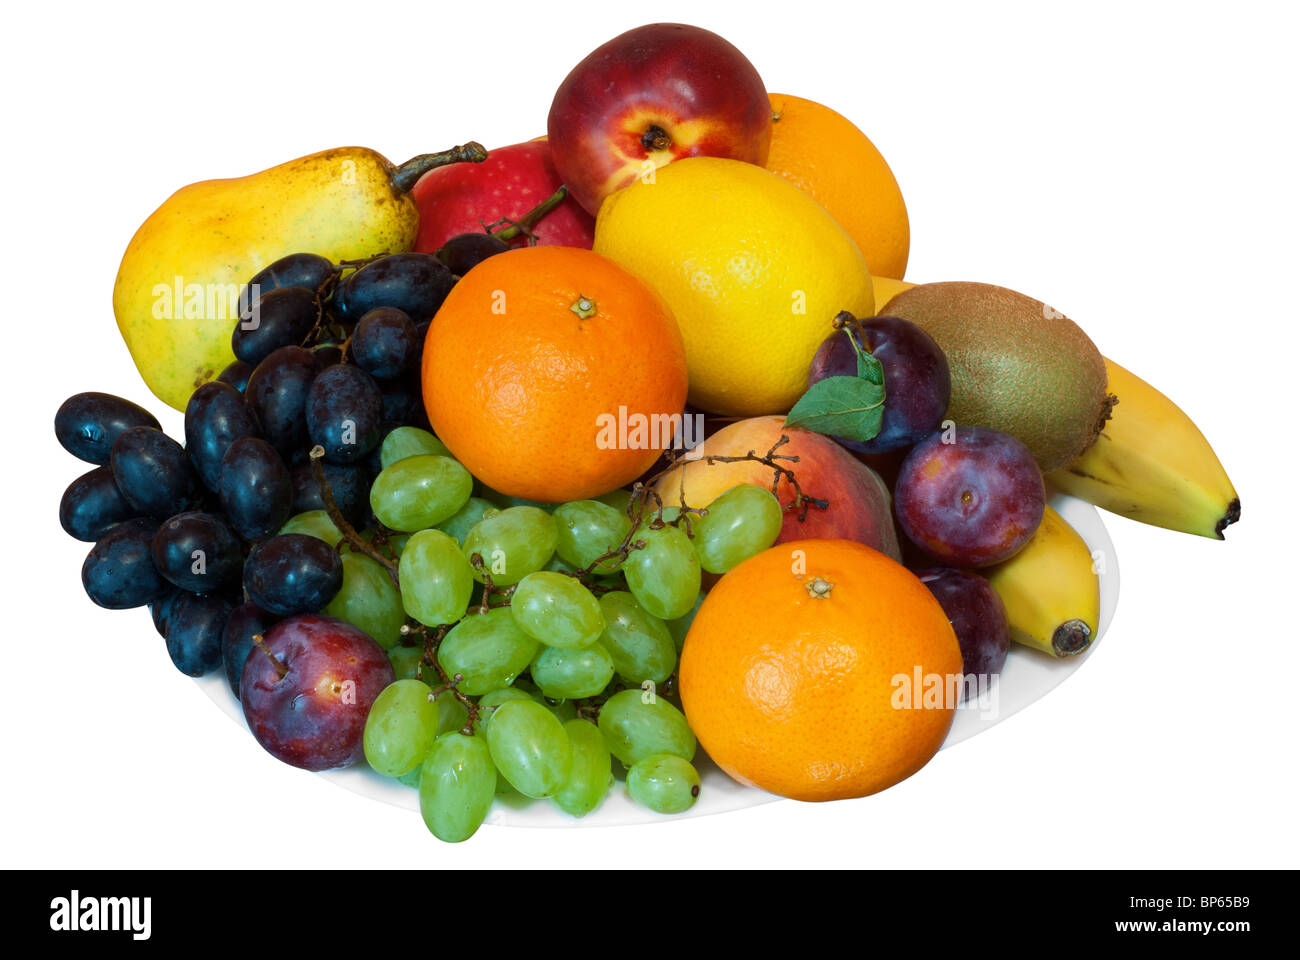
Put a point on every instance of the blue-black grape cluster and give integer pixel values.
(326, 355)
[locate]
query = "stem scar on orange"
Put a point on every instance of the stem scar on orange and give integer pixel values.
(799, 671)
(553, 374)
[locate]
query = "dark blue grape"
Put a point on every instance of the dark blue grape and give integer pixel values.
(248, 620)
(89, 424)
(403, 403)
(236, 375)
(416, 283)
(328, 353)
(385, 344)
(305, 270)
(92, 504)
(349, 483)
(153, 473)
(119, 571)
(198, 552)
(344, 413)
(279, 318)
(292, 573)
(215, 417)
(256, 489)
(277, 395)
(161, 608)
(465, 251)
(195, 625)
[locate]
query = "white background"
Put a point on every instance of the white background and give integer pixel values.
(1134, 164)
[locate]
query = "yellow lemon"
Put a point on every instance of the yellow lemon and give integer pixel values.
(753, 268)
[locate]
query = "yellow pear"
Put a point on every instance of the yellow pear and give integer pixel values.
(176, 298)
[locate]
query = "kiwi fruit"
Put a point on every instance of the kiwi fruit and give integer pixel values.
(1017, 366)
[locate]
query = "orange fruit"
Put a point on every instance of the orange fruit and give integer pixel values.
(827, 157)
(819, 670)
(553, 374)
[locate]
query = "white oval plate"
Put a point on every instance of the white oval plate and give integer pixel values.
(1027, 676)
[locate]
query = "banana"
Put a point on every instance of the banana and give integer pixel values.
(1050, 589)
(1152, 464)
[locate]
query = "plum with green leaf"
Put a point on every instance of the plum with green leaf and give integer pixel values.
(909, 367)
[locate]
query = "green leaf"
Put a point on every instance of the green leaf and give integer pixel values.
(849, 407)
(869, 368)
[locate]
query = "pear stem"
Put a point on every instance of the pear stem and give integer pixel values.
(405, 176)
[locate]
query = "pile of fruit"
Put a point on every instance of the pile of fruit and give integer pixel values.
(520, 471)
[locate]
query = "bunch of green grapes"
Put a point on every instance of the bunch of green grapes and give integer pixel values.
(533, 644)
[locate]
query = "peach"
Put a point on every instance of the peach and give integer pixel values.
(857, 500)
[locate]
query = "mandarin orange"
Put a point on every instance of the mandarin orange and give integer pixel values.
(553, 374)
(820, 670)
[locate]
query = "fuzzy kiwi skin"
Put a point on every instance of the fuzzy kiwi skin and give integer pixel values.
(1017, 366)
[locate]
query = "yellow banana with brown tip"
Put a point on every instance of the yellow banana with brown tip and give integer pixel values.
(1152, 464)
(1050, 589)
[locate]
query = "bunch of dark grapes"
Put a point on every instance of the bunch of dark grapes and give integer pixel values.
(327, 356)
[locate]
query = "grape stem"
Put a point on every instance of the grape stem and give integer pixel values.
(643, 492)
(486, 604)
(354, 539)
(801, 500)
(431, 644)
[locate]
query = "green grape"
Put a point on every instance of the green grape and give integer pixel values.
(557, 610)
(587, 530)
(368, 600)
(564, 710)
(406, 661)
(314, 523)
(530, 747)
(611, 582)
(525, 683)
(639, 724)
(740, 523)
(400, 727)
(512, 543)
(488, 650)
(589, 771)
(618, 499)
(505, 502)
(556, 565)
(403, 442)
(435, 578)
(564, 673)
(411, 778)
(488, 703)
(664, 575)
(457, 785)
(418, 492)
(463, 520)
(640, 644)
(682, 625)
(663, 782)
(452, 714)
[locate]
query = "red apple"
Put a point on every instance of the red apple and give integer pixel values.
(650, 96)
(858, 503)
(307, 692)
(509, 183)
